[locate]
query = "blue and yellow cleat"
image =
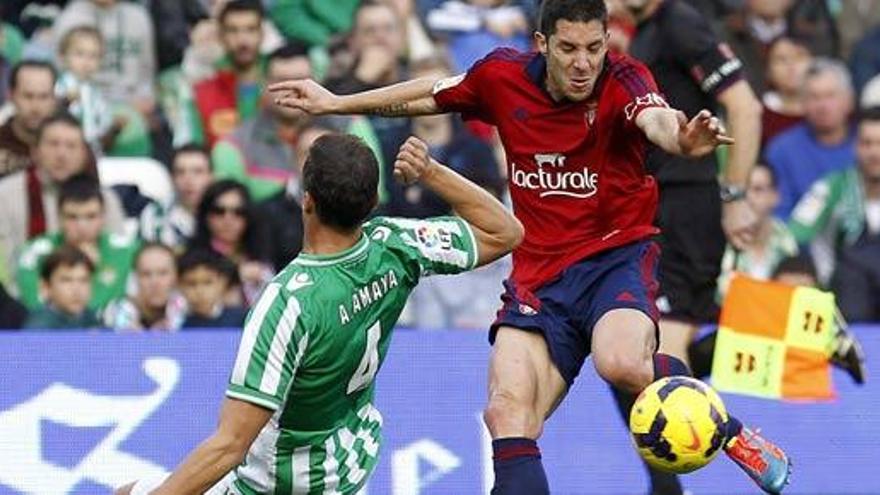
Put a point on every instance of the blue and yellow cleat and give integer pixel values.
(763, 461)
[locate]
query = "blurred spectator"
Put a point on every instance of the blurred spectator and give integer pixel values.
(261, 152)
(840, 219)
(418, 43)
(81, 207)
(375, 58)
(797, 271)
(12, 312)
(232, 94)
(865, 59)
(11, 43)
(451, 144)
(227, 224)
(824, 143)
(29, 198)
(65, 282)
(787, 62)
(156, 304)
(856, 17)
(80, 53)
(773, 241)
(128, 68)
(871, 93)
(31, 91)
(205, 277)
(172, 22)
(751, 30)
(313, 21)
(174, 225)
(476, 27)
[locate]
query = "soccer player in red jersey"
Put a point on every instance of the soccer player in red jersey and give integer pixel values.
(575, 122)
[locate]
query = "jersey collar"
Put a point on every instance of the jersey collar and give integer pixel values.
(536, 70)
(353, 252)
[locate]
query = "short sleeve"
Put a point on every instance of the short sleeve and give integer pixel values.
(462, 93)
(711, 63)
(272, 346)
(439, 245)
(641, 91)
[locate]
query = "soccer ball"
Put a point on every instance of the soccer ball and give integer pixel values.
(677, 424)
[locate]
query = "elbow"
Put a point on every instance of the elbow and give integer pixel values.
(514, 234)
(748, 108)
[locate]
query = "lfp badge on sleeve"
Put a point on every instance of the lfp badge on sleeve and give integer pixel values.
(774, 341)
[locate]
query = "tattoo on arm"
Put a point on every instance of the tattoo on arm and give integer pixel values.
(392, 109)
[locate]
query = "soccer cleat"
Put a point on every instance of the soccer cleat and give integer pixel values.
(849, 356)
(763, 461)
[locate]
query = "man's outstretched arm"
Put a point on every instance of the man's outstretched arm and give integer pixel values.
(670, 130)
(407, 98)
(240, 423)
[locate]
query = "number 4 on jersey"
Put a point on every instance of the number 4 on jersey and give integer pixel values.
(369, 365)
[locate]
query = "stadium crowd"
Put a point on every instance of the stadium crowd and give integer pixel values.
(97, 93)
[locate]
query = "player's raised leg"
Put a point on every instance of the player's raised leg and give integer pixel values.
(524, 389)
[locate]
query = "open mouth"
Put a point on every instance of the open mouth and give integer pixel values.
(580, 85)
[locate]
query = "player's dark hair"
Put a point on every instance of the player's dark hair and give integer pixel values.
(770, 172)
(208, 259)
(80, 188)
(60, 117)
(30, 64)
(153, 246)
(341, 174)
(292, 49)
(801, 264)
(235, 6)
(65, 255)
(191, 148)
(870, 114)
(572, 11)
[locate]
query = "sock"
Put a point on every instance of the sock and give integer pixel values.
(662, 483)
(667, 365)
(734, 428)
(518, 468)
(700, 354)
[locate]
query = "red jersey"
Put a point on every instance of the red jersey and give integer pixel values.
(575, 169)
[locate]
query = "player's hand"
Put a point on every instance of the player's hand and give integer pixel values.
(305, 95)
(413, 162)
(701, 135)
(739, 223)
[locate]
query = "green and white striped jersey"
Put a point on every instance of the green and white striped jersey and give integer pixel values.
(313, 343)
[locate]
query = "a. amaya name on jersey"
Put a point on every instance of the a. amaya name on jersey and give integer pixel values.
(364, 296)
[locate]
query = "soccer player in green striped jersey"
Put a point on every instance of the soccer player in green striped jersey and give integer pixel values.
(299, 415)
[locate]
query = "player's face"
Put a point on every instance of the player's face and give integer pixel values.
(203, 289)
(192, 175)
(241, 34)
(69, 288)
(787, 63)
(575, 56)
(33, 97)
(156, 277)
(761, 194)
(81, 223)
(61, 151)
(83, 57)
(868, 150)
(226, 218)
(827, 102)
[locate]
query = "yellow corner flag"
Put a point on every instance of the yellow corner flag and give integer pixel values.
(774, 341)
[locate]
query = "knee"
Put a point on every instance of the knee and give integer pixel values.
(507, 415)
(626, 371)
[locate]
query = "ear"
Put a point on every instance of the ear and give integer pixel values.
(308, 203)
(541, 42)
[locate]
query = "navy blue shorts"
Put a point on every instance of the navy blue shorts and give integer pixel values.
(566, 309)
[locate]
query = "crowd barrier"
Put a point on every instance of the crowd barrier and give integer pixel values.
(83, 412)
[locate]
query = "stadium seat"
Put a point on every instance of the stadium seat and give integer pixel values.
(150, 176)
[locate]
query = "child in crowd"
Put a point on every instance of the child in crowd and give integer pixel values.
(205, 277)
(80, 53)
(65, 283)
(156, 305)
